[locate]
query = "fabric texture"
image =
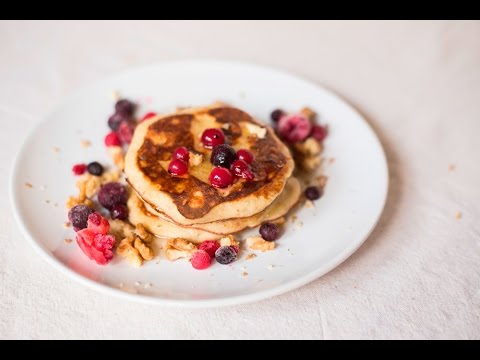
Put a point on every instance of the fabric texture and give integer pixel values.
(418, 84)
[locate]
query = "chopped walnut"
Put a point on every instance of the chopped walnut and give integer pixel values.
(179, 248)
(310, 163)
(134, 247)
(251, 256)
(257, 243)
(309, 204)
(195, 159)
(120, 229)
(259, 131)
(309, 147)
(229, 240)
(308, 113)
(85, 143)
(88, 186)
(117, 155)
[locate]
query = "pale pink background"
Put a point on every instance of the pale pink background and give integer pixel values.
(418, 83)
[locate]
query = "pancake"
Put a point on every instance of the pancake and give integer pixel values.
(191, 199)
(278, 208)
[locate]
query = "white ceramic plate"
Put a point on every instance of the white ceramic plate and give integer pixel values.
(341, 221)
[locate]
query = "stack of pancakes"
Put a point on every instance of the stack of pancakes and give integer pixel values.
(188, 206)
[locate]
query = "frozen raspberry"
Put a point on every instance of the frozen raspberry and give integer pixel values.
(319, 132)
(125, 132)
(245, 155)
(181, 153)
(210, 246)
(85, 239)
(201, 260)
(212, 138)
(104, 242)
(294, 128)
(148, 116)
(177, 167)
(79, 169)
(221, 177)
(125, 107)
(111, 194)
(98, 224)
(225, 255)
(112, 139)
(78, 216)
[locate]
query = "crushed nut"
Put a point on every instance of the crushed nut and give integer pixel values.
(179, 248)
(56, 149)
(85, 143)
(28, 185)
(245, 273)
(120, 229)
(68, 241)
(135, 250)
(257, 243)
(259, 131)
(308, 113)
(115, 95)
(226, 126)
(195, 159)
(458, 215)
(322, 181)
(142, 233)
(309, 204)
(451, 167)
(229, 240)
(67, 225)
(251, 256)
(117, 156)
(309, 147)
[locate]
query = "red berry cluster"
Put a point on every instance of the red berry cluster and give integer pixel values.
(95, 241)
(211, 249)
(179, 164)
(296, 128)
(223, 175)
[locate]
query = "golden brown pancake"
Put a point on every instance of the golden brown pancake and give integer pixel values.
(278, 208)
(191, 199)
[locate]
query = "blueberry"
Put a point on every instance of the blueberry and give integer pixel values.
(119, 212)
(125, 107)
(116, 119)
(112, 194)
(313, 193)
(269, 231)
(78, 216)
(276, 115)
(225, 255)
(95, 168)
(223, 155)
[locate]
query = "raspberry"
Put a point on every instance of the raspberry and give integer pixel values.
(79, 169)
(111, 194)
(85, 239)
(319, 132)
(294, 128)
(201, 260)
(97, 247)
(98, 224)
(210, 246)
(148, 116)
(125, 132)
(112, 139)
(78, 216)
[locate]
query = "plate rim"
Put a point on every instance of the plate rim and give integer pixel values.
(193, 303)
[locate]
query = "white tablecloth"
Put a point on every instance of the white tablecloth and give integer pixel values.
(418, 83)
